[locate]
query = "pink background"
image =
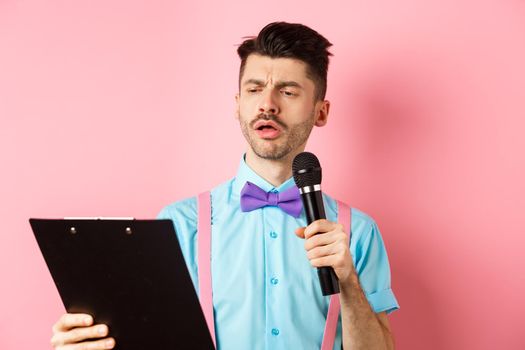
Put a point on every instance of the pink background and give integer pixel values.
(107, 107)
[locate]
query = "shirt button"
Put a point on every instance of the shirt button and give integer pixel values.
(275, 331)
(273, 234)
(274, 281)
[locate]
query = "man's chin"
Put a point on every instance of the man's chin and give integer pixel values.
(271, 153)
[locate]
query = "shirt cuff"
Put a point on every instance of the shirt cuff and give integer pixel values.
(383, 300)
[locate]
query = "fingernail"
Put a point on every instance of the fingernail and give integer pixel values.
(87, 320)
(110, 343)
(102, 330)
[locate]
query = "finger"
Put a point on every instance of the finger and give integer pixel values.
(319, 252)
(108, 343)
(320, 226)
(68, 321)
(82, 333)
(339, 247)
(336, 261)
(320, 240)
(300, 232)
(322, 261)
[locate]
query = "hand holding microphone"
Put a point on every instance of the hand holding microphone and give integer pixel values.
(326, 243)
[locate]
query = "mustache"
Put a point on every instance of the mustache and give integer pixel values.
(271, 117)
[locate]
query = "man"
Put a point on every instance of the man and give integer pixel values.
(266, 293)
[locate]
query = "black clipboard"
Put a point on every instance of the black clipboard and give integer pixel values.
(128, 274)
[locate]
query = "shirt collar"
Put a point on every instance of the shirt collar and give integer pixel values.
(245, 173)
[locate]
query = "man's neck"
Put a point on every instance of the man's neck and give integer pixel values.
(274, 171)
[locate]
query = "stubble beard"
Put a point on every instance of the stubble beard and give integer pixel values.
(290, 139)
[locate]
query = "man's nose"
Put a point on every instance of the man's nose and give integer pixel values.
(268, 103)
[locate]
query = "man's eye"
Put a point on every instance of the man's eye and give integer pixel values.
(288, 93)
(253, 90)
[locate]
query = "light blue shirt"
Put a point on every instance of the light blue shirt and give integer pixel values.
(266, 294)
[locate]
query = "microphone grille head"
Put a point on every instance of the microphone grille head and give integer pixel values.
(306, 170)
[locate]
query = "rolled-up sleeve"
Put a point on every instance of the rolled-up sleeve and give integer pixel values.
(371, 263)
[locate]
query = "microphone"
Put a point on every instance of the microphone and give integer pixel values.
(307, 176)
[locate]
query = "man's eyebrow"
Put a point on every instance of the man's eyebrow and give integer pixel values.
(279, 84)
(254, 82)
(289, 83)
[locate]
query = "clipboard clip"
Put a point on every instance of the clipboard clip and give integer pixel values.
(99, 218)
(73, 229)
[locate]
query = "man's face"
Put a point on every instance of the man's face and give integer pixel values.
(276, 106)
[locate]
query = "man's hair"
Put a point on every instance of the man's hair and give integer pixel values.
(291, 40)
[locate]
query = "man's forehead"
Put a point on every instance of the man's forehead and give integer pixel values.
(276, 69)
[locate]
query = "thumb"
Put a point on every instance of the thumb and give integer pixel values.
(300, 232)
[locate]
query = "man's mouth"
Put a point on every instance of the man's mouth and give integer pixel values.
(267, 129)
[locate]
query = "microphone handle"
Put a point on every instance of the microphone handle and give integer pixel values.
(314, 208)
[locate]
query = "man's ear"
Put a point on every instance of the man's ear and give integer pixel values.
(237, 107)
(322, 113)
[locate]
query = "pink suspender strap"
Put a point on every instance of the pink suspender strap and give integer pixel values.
(204, 259)
(330, 329)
